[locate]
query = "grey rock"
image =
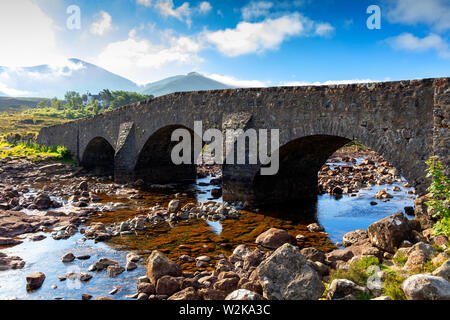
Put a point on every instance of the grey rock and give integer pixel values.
(287, 275)
(340, 288)
(426, 287)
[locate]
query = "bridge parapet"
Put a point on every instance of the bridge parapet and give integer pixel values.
(404, 121)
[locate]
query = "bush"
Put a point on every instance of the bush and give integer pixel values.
(392, 287)
(400, 259)
(35, 151)
(357, 272)
(440, 196)
(64, 152)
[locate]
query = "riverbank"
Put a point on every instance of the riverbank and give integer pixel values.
(107, 233)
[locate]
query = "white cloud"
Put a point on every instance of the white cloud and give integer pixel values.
(256, 9)
(409, 42)
(266, 35)
(324, 29)
(146, 3)
(137, 59)
(167, 9)
(232, 81)
(102, 25)
(435, 13)
(204, 7)
(12, 92)
(27, 35)
(19, 77)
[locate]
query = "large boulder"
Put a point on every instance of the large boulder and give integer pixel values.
(42, 202)
(241, 251)
(313, 254)
(253, 259)
(274, 238)
(167, 285)
(339, 255)
(227, 285)
(426, 287)
(114, 270)
(287, 275)
(35, 280)
(68, 257)
(418, 255)
(103, 263)
(354, 237)
(8, 262)
(340, 288)
(159, 265)
(443, 271)
(365, 249)
(388, 233)
(185, 294)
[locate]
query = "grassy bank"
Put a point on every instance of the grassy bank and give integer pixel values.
(34, 152)
(15, 122)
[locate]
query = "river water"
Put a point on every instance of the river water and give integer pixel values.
(195, 238)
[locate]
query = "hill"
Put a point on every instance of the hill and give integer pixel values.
(191, 82)
(50, 81)
(17, 104)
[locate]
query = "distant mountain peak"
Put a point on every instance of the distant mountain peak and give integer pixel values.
(193, 81)
(194, 74)
(47, 82)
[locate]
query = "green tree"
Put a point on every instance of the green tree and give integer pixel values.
(96, 107)
(106, 96)
(56, 104)
(440, 196)
(43, 103)
(73, 100)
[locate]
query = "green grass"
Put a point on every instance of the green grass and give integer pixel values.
(17, 104)
(357, 272)
(392, 286)
(49, 112)
(35, 152)
(15, 122)
(400, 259)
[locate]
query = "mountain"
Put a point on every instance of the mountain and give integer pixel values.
(48, 81)
(16, 104)
(191, 82)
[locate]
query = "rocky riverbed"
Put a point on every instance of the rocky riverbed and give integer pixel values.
(67, 234)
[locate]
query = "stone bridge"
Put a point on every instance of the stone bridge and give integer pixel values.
(406, 122)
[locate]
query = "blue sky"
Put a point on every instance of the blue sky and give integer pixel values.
(244, 43)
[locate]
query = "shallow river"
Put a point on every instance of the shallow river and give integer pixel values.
(195, 238)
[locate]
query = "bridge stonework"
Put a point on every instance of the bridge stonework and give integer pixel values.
(406, 122)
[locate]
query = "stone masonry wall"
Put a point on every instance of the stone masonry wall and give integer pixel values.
(404, 121)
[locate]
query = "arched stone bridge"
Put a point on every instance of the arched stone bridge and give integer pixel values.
(406, 122)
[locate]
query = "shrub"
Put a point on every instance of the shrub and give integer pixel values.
(357, 271)
(440, 196)
(400, 259)
(35, 151)
(392, 286)
(64, 152)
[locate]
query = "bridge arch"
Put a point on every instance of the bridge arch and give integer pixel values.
(154, 163)
(305, 149)
(300, 162)
(98, 155)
